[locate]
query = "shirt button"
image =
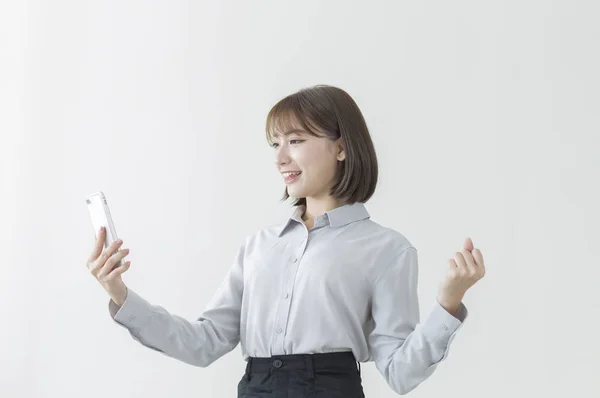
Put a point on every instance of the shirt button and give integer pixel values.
(286, 296)
(277, 363)
(279, 330)
(445, 327)
(294, 260)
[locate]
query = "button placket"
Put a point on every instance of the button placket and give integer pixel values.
(284, 303)
(287, 290)
(284, 307)
(281, 319)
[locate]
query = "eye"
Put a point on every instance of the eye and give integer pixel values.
(275, 144)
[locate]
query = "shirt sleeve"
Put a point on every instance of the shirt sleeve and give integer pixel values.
(199, 342)
(405, 351)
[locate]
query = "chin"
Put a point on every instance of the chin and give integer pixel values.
(296, 193)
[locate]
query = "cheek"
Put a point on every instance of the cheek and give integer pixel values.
(316, 160)
(321, 170)
(302, 157)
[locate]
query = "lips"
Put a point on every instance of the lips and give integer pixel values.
(291, 176)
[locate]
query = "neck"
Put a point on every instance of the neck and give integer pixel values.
(317, 207)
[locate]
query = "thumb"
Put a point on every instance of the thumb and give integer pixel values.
(468, 245)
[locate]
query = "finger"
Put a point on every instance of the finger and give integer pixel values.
(112, 261)
(460, 260)
(478, 257)
(469, 260)
(105, 256)
(118, 271)
(99, 245)
(110, 250)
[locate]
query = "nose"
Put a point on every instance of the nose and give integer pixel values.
(281, 157)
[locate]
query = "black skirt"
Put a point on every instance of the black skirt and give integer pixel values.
(328, 375)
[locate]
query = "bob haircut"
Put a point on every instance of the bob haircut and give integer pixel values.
(330, 112)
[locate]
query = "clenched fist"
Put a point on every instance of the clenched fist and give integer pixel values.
(464, 270)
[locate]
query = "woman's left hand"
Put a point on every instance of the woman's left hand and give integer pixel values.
(464, 270)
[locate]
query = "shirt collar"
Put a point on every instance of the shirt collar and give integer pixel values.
(338, 217)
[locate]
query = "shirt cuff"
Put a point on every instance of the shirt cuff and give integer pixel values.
(134, 312)
(440, 325)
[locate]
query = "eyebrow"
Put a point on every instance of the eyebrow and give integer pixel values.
(286, 133)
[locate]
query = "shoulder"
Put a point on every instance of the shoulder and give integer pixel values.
(393, 252)
(384, 238)
(262, 238)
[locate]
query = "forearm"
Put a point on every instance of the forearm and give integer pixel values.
(415, 358)
(198, 342)
(450, 304)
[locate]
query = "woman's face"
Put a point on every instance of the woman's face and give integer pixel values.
(315, 158)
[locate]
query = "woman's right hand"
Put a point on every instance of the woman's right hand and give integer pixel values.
(101, 264)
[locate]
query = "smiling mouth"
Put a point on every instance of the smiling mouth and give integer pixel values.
(291, 177)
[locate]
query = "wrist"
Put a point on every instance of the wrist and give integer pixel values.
(450, 304)
(119, 297)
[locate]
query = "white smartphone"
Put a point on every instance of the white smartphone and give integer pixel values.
(100, 215)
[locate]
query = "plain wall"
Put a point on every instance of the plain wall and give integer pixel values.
(485, 121)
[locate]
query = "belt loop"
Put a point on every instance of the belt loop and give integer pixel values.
(310, 365)
(248, 367)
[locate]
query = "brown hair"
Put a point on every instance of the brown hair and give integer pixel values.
(328, 111)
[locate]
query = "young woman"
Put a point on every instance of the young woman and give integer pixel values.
(325, 289)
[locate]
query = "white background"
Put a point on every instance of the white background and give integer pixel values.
(485, 121)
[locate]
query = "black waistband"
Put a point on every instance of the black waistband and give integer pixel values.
(308, 362)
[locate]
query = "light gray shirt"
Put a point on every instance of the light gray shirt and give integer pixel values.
(347, 284)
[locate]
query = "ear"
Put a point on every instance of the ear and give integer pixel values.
(341, 153)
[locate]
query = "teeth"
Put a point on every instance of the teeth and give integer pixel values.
(290, 174)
